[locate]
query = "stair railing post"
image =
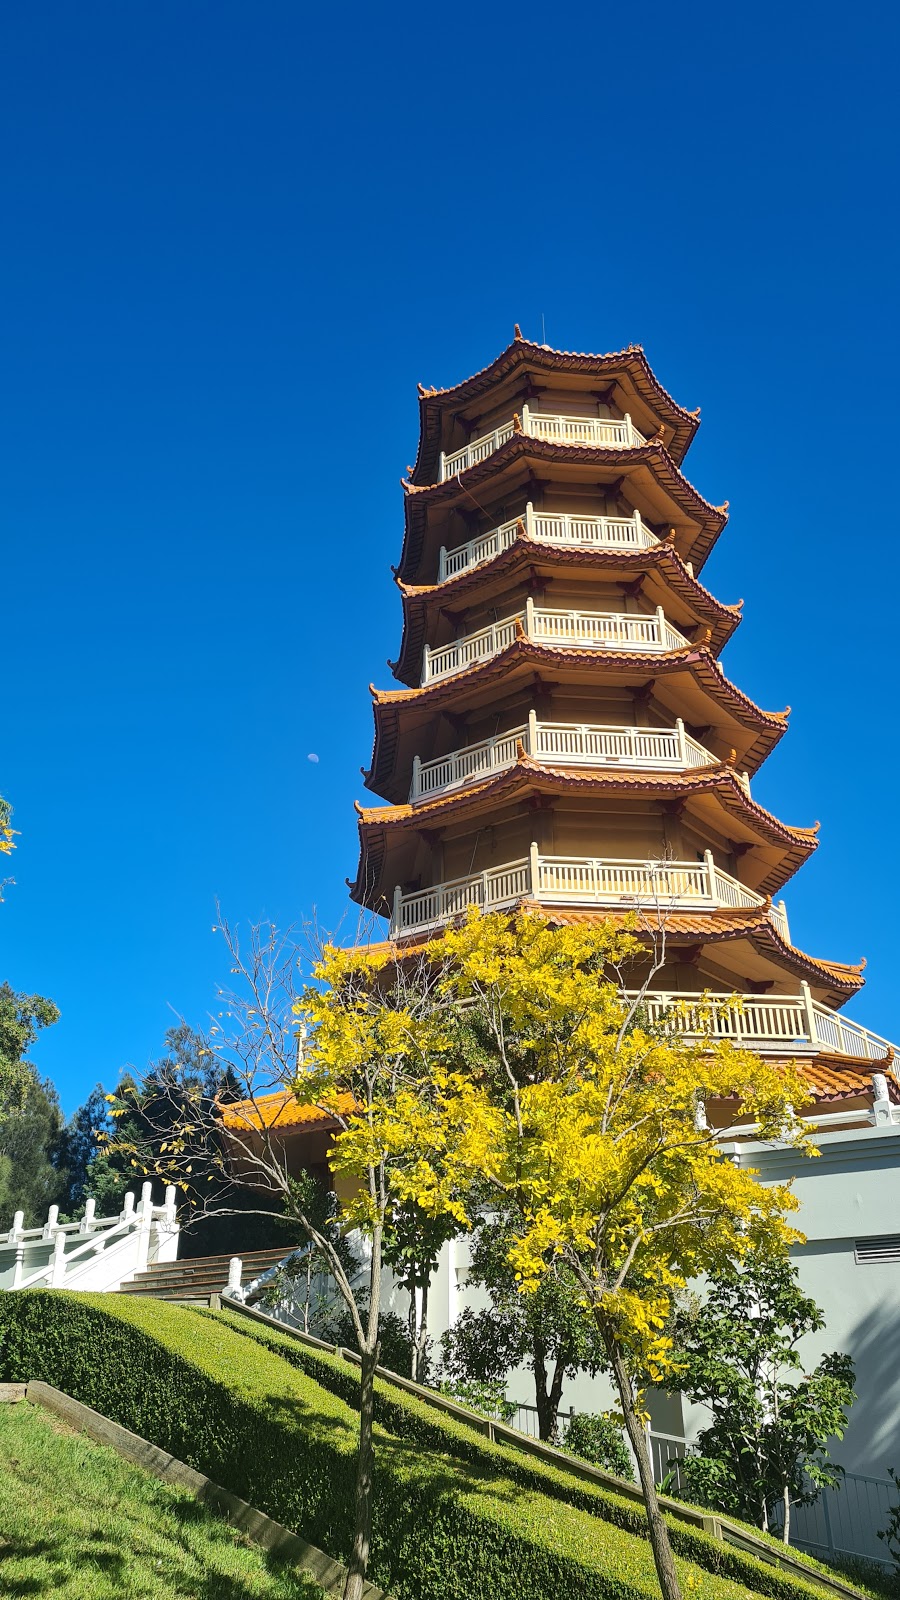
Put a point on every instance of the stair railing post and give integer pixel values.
(58, 1269)
(235, 1272)
(19, 1268)
(17, 1226)
(52, 1222)
(86, 1224)
(145, 1218)
(127, 1213)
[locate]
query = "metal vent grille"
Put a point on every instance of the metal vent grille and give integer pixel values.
(887, 1248)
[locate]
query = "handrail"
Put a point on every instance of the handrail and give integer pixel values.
(548, 527)
(602, 433)
(563, 744)
(127, 1224)
(720, 1528)
(559, 627)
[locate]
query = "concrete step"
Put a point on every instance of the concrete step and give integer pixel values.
(201, 1276)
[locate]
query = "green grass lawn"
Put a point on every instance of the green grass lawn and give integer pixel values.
(79, 1522)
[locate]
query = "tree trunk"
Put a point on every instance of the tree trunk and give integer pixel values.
(786, 1531)
(659, 1533)
(545, 1409)
(421, 1338)
(365, 1462)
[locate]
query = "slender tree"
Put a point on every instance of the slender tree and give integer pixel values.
(591, 1125)
(548, 1331)
(738, 1350)
(354, 1035)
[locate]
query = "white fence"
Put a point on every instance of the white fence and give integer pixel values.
(577, 880)
(97, 1253)
(547, 625)
(616, 533)
(597, 433)
(844, 1521)
(563, 744)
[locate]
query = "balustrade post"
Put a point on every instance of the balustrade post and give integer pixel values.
(785, 926)
(19, 1268)
(441, 459)
(661, 624)
(531, 737)
(682, 745)
(526, 418)
(638, 527)
(529, 519)
(169, 1202)
(484, 891)
(710, 875)
(442, 563)
(806, 1001)
(426, 664)
(529, 617)
(18, 1225)
(534, 870)
(51, 1223)
(628, 429)
(397, 911)
(58, 1269)
(87, 1222)
(235, 1272)
(127, 1208)
(416, 778)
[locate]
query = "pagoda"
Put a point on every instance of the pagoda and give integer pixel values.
(563, 737)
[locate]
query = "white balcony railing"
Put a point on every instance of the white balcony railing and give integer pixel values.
(767, 1023)
(610, 433)
(581, 880)
(563, 744)
(544, 625)
(613, 533)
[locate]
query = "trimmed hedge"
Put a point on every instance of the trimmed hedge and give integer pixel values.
(408, 1417)
(442, 1529)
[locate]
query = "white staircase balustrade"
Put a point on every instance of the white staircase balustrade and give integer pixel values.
(582, 630)
(106, 1251)
(578, 880)
(597, 433)
(615, 533)
(561, 744)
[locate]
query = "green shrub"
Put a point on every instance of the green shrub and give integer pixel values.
(600, 1440)
(442, 1529)
(408, 1417)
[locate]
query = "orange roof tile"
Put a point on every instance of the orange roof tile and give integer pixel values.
(282, 1110)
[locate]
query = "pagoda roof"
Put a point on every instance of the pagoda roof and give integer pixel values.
(419, 600)
(743, 927)
(282, 1109)
(523, 355)
(828, 1077)
(788, 847)
(391, 707)
(653, 456)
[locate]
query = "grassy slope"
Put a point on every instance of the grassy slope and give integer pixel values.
(264, 1447)
(79, 1522)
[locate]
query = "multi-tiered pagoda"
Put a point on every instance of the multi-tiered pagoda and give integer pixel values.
(564, 737)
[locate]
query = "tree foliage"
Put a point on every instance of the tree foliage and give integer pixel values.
(22, 1016)
(738, 1352)
(590, 1123)
(548, 1330)
(32, 1177)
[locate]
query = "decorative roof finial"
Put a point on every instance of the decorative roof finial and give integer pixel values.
(517, 331)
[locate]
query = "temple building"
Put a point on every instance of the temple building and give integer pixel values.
(563, 736)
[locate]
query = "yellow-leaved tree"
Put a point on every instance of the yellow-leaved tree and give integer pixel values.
(592, 1124)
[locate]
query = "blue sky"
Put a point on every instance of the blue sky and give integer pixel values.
(235, 238)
